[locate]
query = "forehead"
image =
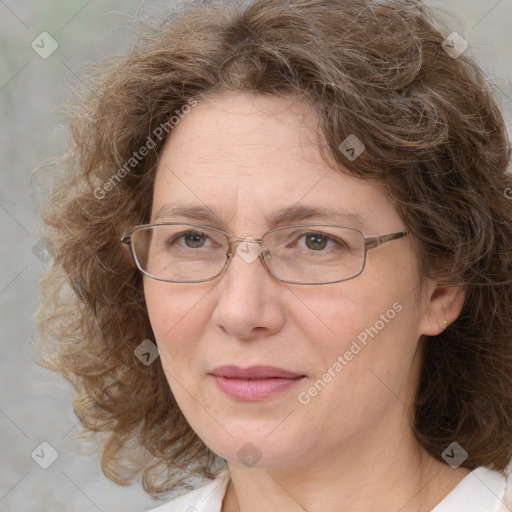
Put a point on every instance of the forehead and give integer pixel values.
(242, 156)
(231, 125)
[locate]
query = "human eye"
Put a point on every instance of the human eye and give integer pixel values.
(318, 241)
(314, 243)
(183, 241)
(191, 239)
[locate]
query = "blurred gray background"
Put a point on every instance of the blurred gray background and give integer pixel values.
(35, 406)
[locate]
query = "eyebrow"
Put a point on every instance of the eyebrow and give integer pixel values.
(290, 214)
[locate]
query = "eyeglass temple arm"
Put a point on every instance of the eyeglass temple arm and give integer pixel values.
(375, 241)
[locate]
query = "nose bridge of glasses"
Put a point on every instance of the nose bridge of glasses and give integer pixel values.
(236, 240)
(246, 251)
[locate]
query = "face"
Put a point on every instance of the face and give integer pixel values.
(353, 344)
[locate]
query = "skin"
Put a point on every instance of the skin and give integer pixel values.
(244, 156)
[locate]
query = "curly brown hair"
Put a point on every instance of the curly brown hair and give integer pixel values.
(434, 136)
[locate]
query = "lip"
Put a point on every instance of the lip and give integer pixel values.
(254, 372)
(254, 383)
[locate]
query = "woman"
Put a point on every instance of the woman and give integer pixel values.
(282, 261)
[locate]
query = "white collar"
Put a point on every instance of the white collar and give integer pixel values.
(482, 490)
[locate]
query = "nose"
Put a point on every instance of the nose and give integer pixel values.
(248, 296)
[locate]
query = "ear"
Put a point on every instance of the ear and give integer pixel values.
(442, 306)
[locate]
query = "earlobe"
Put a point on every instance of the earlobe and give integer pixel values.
(442, 305)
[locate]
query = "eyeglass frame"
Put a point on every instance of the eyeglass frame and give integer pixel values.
(369, 243)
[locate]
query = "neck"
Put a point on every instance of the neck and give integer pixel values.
(398, 475)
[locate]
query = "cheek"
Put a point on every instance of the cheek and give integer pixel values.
(366, 365)
(335, 316)
(369, 323)
(355, 333)
(177, 319)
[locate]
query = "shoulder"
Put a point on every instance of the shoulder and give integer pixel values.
(207, 498)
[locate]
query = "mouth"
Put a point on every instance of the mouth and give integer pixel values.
(254, 383)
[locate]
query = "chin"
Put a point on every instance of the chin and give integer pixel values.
(256, 450)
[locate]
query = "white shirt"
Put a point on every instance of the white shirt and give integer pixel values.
(482, 490)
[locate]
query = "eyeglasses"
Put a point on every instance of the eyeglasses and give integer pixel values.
(303, 254)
